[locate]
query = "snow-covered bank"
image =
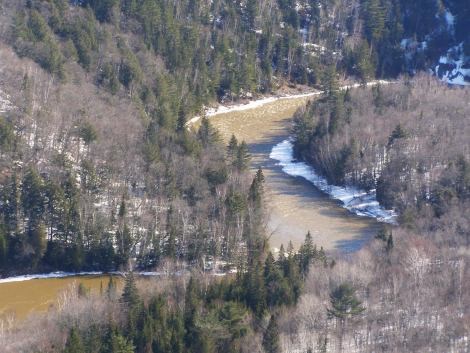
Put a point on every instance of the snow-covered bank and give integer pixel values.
(58, 274)
(223, 109)
(355, 200)
(61, 274)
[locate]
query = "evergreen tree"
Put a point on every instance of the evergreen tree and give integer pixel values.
(190, 313)
(242, 158)
(375, 20)
(207, 134)
(131, 299)
(130, 295)
(344, 303)
(307, 254)
(271, 337)
(74, 343)
(232, 148)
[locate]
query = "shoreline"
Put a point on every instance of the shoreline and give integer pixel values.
(256, 103)
(355, 200)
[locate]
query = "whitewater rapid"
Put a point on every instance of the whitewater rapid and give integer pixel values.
(357, 201)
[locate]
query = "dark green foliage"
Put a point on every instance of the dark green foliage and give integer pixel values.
(242, 157)
(344, 303)
(74, 343)
(271, 337)
(7, 137)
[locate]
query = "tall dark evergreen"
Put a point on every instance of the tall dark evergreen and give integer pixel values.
(271, 337)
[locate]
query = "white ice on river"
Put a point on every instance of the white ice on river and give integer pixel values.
(358, 201)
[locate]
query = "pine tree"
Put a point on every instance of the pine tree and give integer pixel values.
(276, 287)
(344, 303)
(242, 159)
(131, 299)
(32, 196)
(181, 122)
(207, 134)
(190, 314)
(256, 189)
(307, 254)
(111, 289)
(375, 20)
(232, 148)
(37, 239)
(74, 343)
(389, 246)
(130, 295)
(255, 288)
(271, 337)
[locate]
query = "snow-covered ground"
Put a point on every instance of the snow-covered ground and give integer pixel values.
(454, 67)
(5, 104)
(59, 274)
(355, 200)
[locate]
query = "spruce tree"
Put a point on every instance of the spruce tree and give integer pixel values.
(74, 343)
(242, 158)
(344, 303)
(232, 148)
(271, 337)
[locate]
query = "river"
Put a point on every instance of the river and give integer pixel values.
(295, 206)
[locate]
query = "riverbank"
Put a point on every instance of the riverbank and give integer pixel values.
(355, 200)
(295, 206)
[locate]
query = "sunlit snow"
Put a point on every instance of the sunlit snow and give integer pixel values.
(355, 200)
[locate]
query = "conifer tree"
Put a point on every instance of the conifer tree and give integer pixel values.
(271, 337)
(232, 148)
(344, 303)
(307, 254)
(190, 315)
(74, 343)
(242, 159)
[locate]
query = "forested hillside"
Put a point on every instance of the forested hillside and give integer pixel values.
(407, 140)
(97, 165)
(100, 170)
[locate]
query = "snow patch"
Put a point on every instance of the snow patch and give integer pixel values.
(358, 201)
(454, 67)
(5, 104)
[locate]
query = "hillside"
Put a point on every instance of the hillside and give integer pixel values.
(101, 169)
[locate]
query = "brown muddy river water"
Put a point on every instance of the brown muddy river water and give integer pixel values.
(295, 206)
(22, 298)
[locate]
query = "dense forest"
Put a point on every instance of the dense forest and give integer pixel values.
(99, 170)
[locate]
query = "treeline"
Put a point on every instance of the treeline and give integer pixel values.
(236, 313)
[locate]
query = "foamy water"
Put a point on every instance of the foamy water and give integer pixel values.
(358, 201)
